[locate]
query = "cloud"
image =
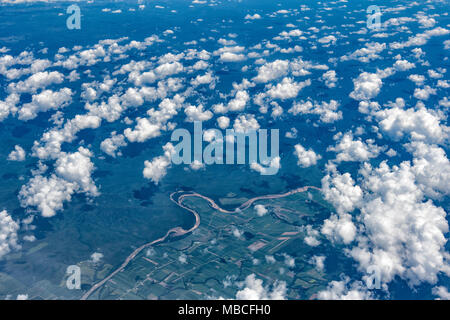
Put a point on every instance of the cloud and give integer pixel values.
(318, 262)
(306, 158)
(36, 81)
(327, 111)
(287, 89)
(416, 123)
(329, 78)
(254, 290)
(403, 65)
(271, 71)
(252, 17)
(344, 290)
(197, 113)
(47, 194)
(223, 122)
(348, 149)
(18, 154)
(96, 257)
(269, 169)
(72, 174)
(8, 234)
(111, 145)
(232, 57)
(441, 292)
(45, 101)
(424, 93)
(143, 131)
(245, 123)
(366, 86)
(368, 53)
(420, 39)
(156, 169)
(260, 210)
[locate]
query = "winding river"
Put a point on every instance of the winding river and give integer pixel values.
(178, 231)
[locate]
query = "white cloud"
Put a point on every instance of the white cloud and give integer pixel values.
(260, 210)
(318, 262)
(47, 194)
(72, 174)
(197, 113)
(18, 154)
(366, 86)
(232, 57)
(287, 89)
(403, 65)
(245, 123)
(424, 93)
(36, 81)
(143, 131)
(223, 122)
(111, 145)
(441, 292)
(271, 71)
(254, 290)
(417, 123)
(344, 290)
(306, 158)
(156, 169)
(328, 39)
(420, 39)
(348, 149)
(96, 257)
(329, 78)
(326, 110)
(8, 234)
(252, 17)
(45, 101)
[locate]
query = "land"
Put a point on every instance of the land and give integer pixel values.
(208, 259)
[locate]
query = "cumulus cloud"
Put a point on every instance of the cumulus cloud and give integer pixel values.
(18, 154)
(252, 17)
(255, 290)
(348, 149)
(441, 292)
(8, 234)
(45, 101)
(223, 122)
(156, 169)
(345, 290)
(194, 113)
(72, 174)
(260, 210)
(330, 78)
(327, 111)
(287, 89)
(267, 169)
(96, 257)
(143, 131)
(366, 86)
(111, 145)
(306, 158)
(318, 262)
(245, 123)
(47, 194)
(271, 71)
(416, 123)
